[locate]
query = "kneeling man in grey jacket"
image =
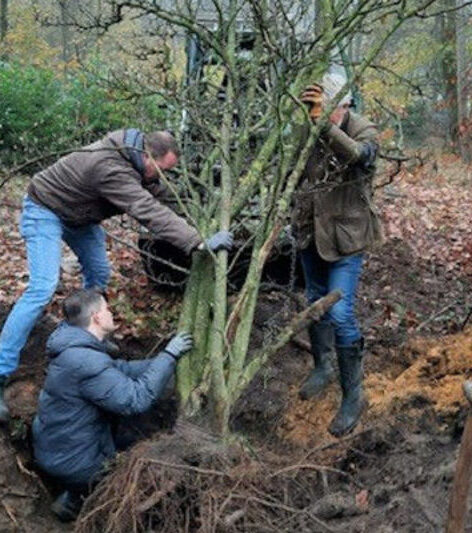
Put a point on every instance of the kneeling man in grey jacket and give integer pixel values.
(72, 434)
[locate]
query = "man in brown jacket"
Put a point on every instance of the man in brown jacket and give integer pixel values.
(67, 201)
(335, 223)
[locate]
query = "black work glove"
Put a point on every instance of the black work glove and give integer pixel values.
(178, 345)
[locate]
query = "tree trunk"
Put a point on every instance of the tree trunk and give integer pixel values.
(3, 25)
(464, 125)
(65, 37)
(449, 68)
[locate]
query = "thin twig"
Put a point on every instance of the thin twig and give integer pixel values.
(288, 509)
(187, 467)
(466, 320)
(147, 254)
(15, 170)
(434, 316)
(10, 514)
(320, 468)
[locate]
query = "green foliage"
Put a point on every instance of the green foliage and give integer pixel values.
(408, 64)
(42, 112)
(400, 93)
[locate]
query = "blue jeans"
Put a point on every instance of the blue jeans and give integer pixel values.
(43, 233)
(322, 277)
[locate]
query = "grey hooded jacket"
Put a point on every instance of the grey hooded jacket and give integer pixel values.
(71, 431)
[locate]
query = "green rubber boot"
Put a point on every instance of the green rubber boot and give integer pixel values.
(322, 348)
(353, 402)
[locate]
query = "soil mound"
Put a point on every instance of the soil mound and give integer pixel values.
(436, 372)
(427, 372)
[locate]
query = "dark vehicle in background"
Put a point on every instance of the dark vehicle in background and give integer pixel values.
(282, 268)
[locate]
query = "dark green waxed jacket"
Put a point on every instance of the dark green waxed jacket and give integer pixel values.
(333, 205)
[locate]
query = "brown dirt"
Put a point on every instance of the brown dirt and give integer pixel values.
(24, 498)
(434, 375)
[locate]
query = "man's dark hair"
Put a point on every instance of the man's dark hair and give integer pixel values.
(79, 306)
(159, 143)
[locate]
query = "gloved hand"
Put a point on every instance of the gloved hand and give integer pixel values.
(222, 240)
(178, 345)
(313, 97)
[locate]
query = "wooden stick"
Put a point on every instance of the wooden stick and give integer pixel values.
(462, 476)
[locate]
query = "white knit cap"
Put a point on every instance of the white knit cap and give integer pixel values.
(332, 83)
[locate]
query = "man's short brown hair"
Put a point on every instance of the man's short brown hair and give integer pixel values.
(159, 143)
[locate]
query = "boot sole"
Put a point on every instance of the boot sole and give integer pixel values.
(353, 426)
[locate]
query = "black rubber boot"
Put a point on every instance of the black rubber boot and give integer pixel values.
(67, 506)
(4, 412)
(350, 373)
(322, 348)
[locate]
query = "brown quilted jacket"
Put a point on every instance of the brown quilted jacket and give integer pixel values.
(90, 186)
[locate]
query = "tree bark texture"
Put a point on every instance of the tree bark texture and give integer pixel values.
(449, 67)
(464, 80)
(3, 25)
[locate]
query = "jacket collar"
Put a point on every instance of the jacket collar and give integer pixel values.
(67, 336)
(133, 141)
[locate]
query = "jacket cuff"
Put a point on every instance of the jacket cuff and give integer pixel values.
(193, 244)
(167, 355)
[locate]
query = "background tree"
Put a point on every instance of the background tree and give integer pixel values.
(464, 80)
(448, 65)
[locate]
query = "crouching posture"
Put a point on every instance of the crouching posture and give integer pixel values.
(72, 432)
(335, 223)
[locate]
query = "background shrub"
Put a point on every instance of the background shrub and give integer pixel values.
(42, 112)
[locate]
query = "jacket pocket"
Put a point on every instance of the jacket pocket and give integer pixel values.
(352, 232)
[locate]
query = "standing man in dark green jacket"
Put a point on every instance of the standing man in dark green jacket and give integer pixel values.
(335, 223)
(67, 201)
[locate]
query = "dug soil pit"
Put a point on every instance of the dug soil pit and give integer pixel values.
(392, 475)
(433, 378)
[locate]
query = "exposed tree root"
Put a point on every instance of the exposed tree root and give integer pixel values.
(190, 481)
